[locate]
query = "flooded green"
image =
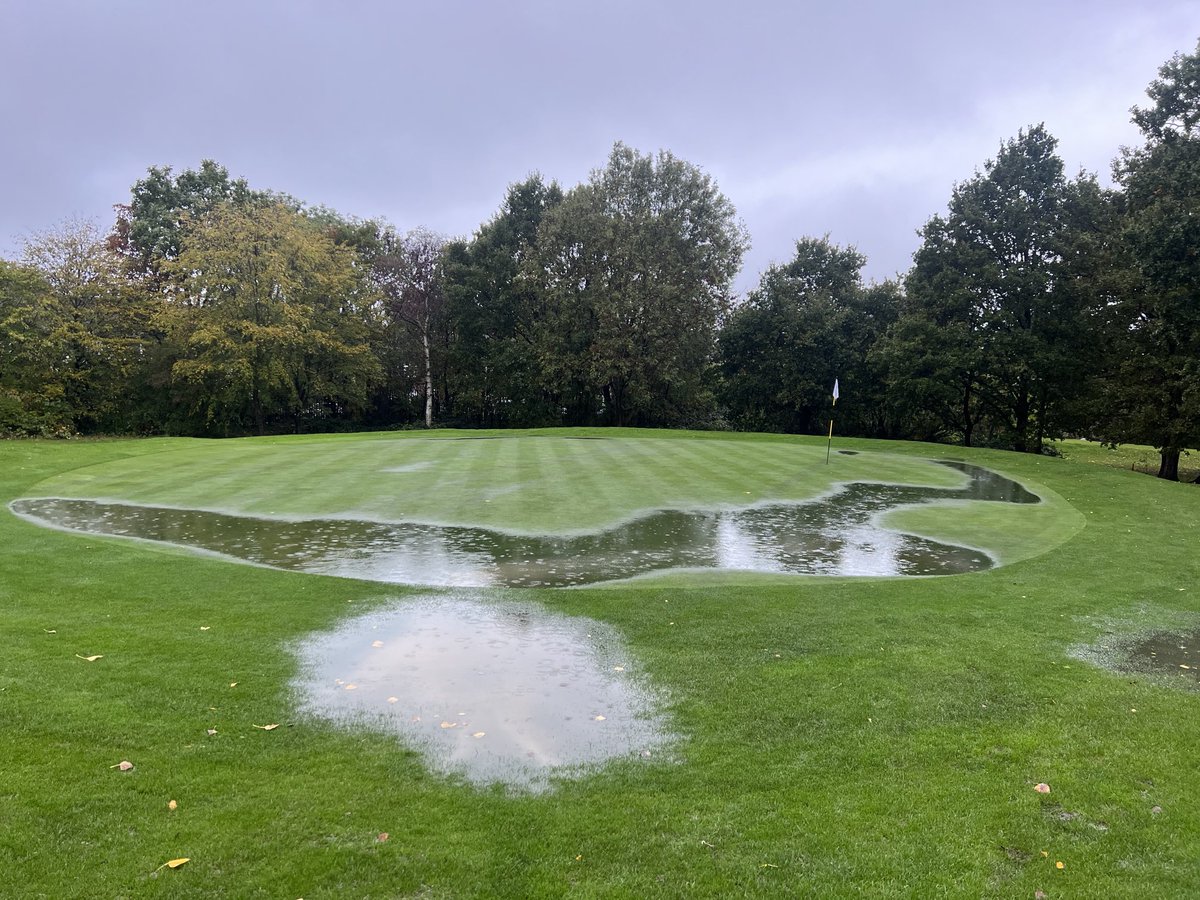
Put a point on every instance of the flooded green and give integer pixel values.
(486, 688)
(834, 535)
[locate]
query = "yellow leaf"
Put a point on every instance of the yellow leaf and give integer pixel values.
(233, 684)
(91, 658)
(597, 718)
(270, 727)
(172, 805)
(204, 627)
(1059, 865)
(352, 687)
(50, 631)
(176, 863)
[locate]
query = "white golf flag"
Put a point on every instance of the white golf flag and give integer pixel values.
(835, 392)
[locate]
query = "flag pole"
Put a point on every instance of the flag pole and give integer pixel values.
(829, 445)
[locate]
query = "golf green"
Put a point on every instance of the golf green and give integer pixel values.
(834, 737)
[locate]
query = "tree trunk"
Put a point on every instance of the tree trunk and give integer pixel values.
(428, 380)
(1168, 467)
(968, 424)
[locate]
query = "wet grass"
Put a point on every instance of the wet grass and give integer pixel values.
(842, 737)
(1134, 457)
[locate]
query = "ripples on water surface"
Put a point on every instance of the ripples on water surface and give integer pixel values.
(835, 535)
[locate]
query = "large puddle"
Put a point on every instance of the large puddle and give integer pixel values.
(835, 535)
(493, 690)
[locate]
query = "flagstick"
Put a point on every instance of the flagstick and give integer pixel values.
(829, 446)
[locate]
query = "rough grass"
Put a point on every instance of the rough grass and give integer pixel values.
(842, 737)
(1134, 457)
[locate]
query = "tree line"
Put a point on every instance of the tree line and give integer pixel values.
(1037, 306)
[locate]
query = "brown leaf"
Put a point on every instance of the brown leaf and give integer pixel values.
(382, 836)
(124, 765)
(91, 658)
(1042, 788)
(270, 727)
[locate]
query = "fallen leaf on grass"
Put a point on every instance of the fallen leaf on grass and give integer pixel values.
(270, 727)
(50, 631)
(172, 806)
(1059, 865)
(768, 866)
(1042, 788)
(91, 658)
(1039, 895)
(382, 836)
(204, 627)
(618, 668)
(124, 765)
(233, 684)
(212, 731)
(174, 863)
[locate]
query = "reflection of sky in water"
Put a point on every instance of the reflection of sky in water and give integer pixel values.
(500, 691)
(836, 535)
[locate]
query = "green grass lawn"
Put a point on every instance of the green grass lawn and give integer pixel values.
(839, 737)
(1134, 457)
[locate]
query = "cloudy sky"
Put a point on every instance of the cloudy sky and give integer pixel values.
(848, 118)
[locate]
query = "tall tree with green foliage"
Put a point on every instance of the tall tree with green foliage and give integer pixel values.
(32, 395)
(989, 335)
(810, 322)
(409, 272)
(268, 323)
(1156, 389)
(151, 228)
(494, 308)
(633, 270)
(100, 317)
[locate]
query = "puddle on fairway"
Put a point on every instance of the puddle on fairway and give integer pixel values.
(1166, 653)
(491, 689)
(834, 535)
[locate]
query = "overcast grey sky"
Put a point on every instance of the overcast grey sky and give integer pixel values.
(848, 118)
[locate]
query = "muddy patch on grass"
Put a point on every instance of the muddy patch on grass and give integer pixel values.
(490, 689)
(1169, 654)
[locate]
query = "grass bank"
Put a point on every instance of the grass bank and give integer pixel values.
(843, 737)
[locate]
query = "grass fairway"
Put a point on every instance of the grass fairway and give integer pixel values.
(840, 737)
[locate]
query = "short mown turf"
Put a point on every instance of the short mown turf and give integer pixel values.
(840, 737)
